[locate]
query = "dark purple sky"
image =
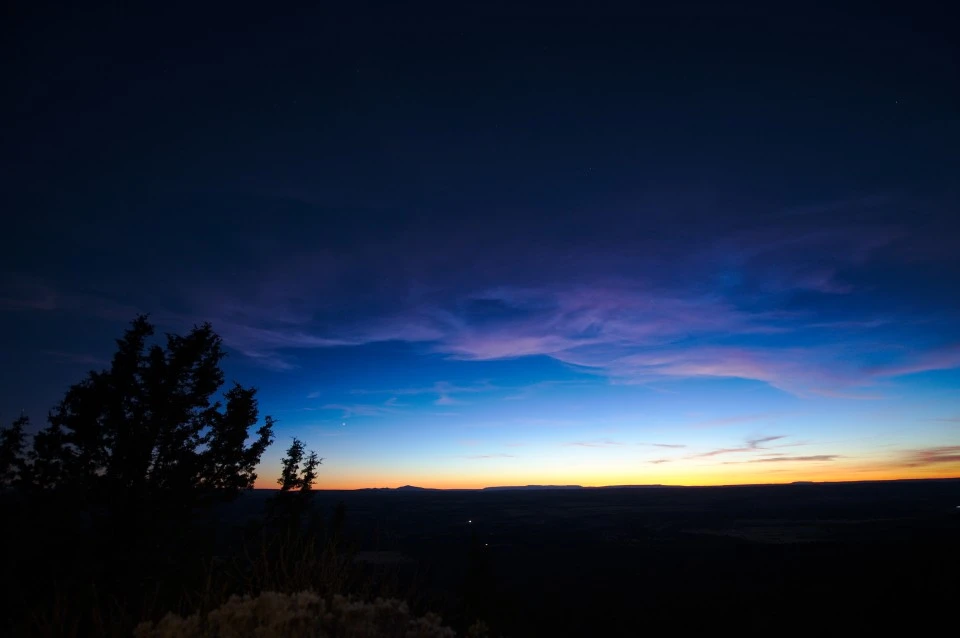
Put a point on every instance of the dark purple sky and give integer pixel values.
(421, 223)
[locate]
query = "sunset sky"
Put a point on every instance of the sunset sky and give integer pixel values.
(506, 248)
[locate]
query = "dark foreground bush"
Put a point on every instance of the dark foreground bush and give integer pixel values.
(302, 615)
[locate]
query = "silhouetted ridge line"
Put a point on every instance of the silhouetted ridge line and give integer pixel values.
(533, 487)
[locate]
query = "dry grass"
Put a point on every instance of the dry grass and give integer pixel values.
(303, 614)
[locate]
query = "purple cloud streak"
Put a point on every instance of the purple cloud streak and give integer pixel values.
(714, 305)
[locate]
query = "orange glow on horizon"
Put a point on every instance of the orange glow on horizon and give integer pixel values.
(687, 479)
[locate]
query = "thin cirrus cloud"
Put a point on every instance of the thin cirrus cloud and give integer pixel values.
(944, 358)
(638, 336)
(814, 458)
(445, 391)
(932, 456)
(439, 388)
(719, 451)
(753, 445)
(757, 443)
(527, 391)
(856, 396)
(348, 410)
(671, 320)
(628, 335)
(596, 443)
(734, 420)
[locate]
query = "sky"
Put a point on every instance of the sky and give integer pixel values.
(518, 244)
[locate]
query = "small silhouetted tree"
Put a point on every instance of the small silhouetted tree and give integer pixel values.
(11, 452)
(290, 467)
(292, 477)
(309, 476)
(150, 425)
(290, 506)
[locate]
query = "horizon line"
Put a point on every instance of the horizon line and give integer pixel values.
(545, 487)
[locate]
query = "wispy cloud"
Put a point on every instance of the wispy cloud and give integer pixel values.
(790, 459)
(671, 321)
(932, 456)
(666, 445)
(596, 443)
(525, 392)
(854, 324)
(751, 446)
(855, 396)
(719, 451)
(544, 422)
(794, 370)
(757, 443)
(360, 409)
(596, 326)
(556, 321)
(488, 456)
(944, 358)
(629, 334)
(733, 420)
(445, 391)
(659, 461)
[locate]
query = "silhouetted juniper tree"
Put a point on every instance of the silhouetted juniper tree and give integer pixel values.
(289, 507)
(291, 476)
(150, 426)
(309, 476)
(290, 467)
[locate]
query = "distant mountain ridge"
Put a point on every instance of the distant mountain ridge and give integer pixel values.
(496, 488)
(403, 488)
(532, 487)
(501, 488)
(628, 487)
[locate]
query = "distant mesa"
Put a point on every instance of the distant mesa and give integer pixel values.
(631, 487)
(504, 488)
(533, 487)
(404, 488)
